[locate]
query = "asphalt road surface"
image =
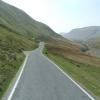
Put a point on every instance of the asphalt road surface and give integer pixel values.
(41, 80)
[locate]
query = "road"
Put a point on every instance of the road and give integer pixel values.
(41, 80)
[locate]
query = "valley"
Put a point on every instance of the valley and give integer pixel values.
(90, 36)
(19, 32)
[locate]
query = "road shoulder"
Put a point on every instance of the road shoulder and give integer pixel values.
(8, 94)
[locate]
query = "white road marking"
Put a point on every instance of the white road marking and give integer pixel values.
(13, 90)
(17, 81)
(71, 79)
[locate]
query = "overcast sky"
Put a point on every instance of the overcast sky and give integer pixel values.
(62, 15)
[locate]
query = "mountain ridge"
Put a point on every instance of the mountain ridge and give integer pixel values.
(90, 36)
(84, 33)
(18, 33)
(21, 22)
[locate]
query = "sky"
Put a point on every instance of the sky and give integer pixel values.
(62, 15)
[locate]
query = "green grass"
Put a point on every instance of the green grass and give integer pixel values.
(12, 46)
(88, 76)
(19, 22)
(18, 33)
(8, 71)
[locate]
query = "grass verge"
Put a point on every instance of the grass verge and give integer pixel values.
(87, 75)
(12, 46)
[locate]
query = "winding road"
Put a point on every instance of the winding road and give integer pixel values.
(42, 80)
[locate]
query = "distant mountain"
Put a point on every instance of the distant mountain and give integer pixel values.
(89, 36)
(83, 34)
(18, 33)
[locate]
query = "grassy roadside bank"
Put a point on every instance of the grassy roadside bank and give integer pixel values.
(85, 74)
(11, 55)
(8, 71)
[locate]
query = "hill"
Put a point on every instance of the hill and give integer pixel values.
(89, 36)
(19, 32)
(19, 22)
(83, 34)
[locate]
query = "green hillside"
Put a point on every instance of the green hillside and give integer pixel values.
(11, 55)
(88, 36)
(83, 68)
(19, 22)
(18, 33)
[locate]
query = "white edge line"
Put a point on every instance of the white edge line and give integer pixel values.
(71, 79)
(17, 81)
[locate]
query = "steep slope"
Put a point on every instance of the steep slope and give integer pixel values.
(84, 34)
(19, 22)
(11, 55)
(88, 36)
(81, 67)
(18, 33)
